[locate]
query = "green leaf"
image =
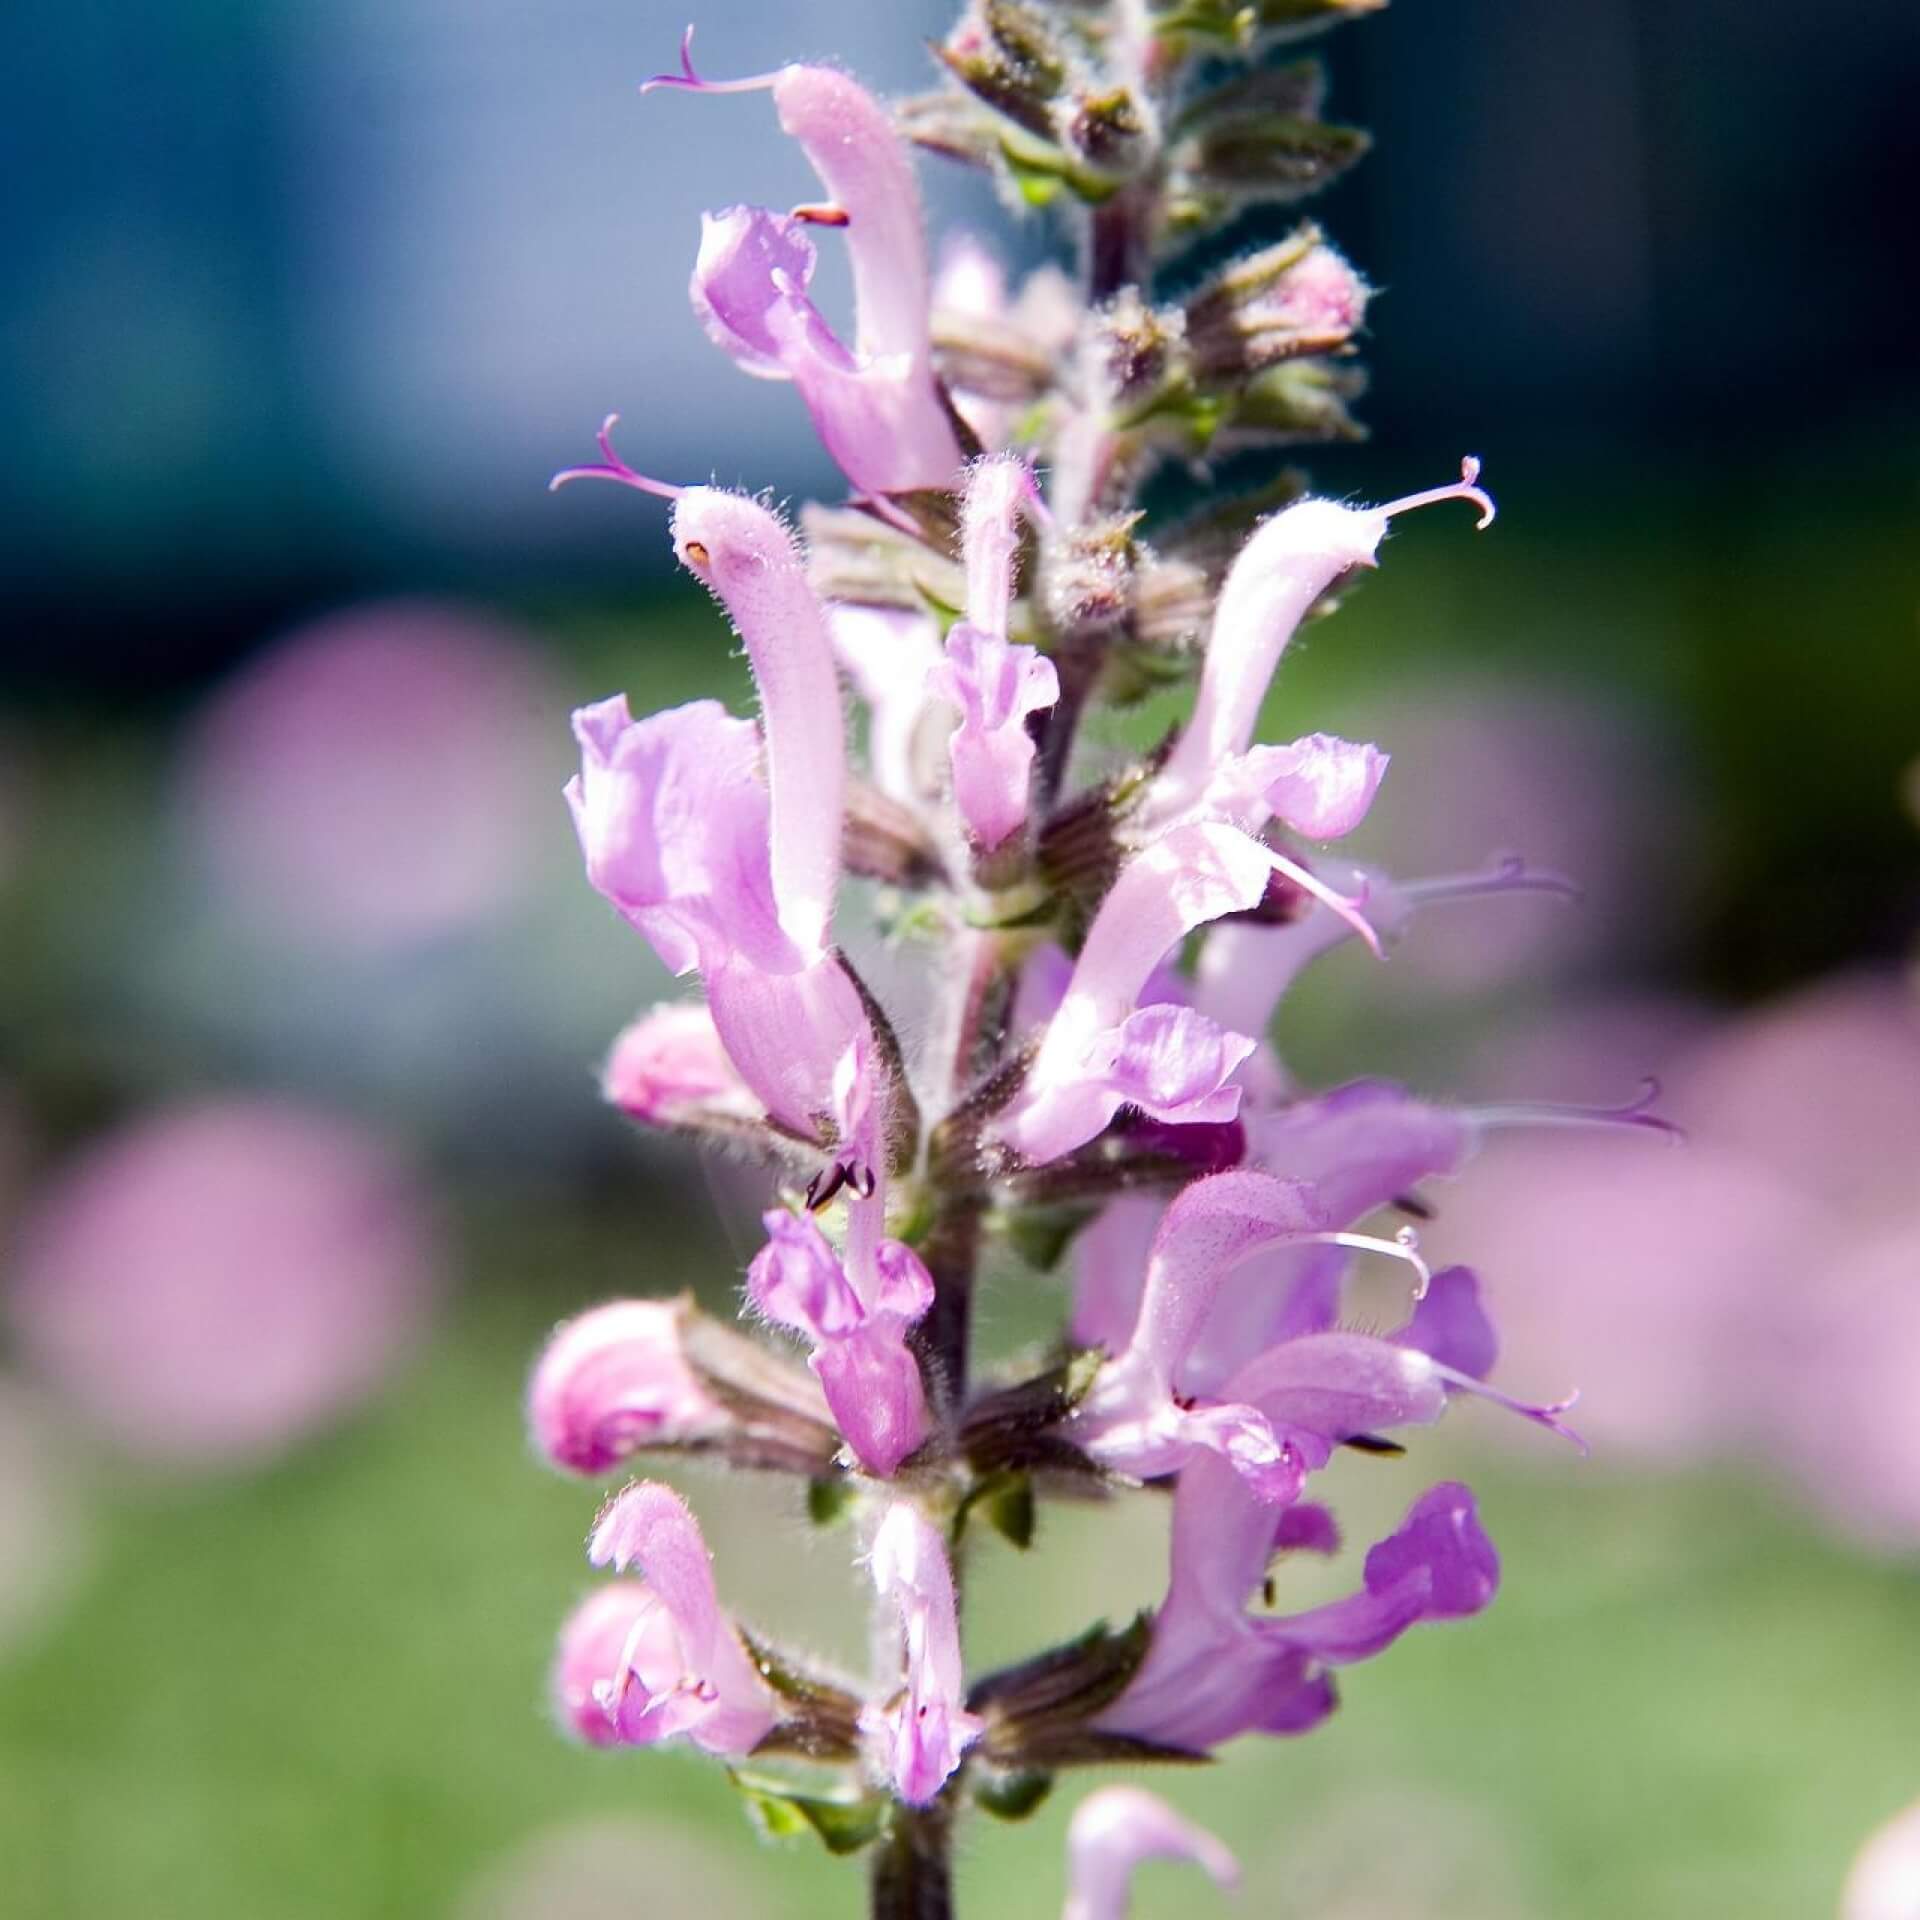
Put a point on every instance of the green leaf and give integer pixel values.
(843, 1822)
(1042, 1235)
(1009, 1509)
(830, 1500)
(1012, 1796)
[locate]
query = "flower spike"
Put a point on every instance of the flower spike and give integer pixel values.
(689, 81)
(614, 468)
(1465, 488)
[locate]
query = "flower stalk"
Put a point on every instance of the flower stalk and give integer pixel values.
(1091, 1085)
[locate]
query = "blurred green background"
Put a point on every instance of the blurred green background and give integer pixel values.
(300, 310)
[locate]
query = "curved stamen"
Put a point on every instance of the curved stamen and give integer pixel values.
(614, 468)
(1405, 1245)
(821, 213)
(1546, 1416)
(1636, 1114)
(1512, 875)
(1462, 489)
(688, 81)
(1347, 906)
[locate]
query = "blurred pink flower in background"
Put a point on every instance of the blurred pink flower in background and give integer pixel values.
(1574, 784)
(1823, 1088)
(1753, 1296)
(377, 778)
(1885, 1881)
(212, 1282)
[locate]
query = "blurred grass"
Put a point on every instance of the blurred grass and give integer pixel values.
(320, 1692)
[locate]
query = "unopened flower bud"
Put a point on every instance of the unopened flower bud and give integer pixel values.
(669, 1069)
(639, 1375)
(1295, 298)
(616, 1380)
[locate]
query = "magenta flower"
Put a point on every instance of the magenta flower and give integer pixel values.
(592, 1646)
(854, 1307)
(212, 1283)
(1115, 1831)
(1103, 1051)
(1214, 1672)
(876, 405)
(1055, 1034)
(865, 1368)
(921, 1734)
(681, 1672)
(616, 1380)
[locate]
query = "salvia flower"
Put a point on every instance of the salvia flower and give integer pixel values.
(681, 1672)
(875, 405)
(922, 1732)
(1215, 1672)
(996, 685)
(1071, 1038)
(1113, 1833)
(1132, 1419)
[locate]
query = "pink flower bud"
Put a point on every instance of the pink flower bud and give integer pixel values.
(616, 1380)
(669, 1066)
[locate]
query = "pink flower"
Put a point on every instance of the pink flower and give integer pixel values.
(681, 1670)
(876, 405)
(996, 685)
(717, 870)
(1214, 1672)
(1113, 1832)
(213, 1282)
(615, 1380)
(1102, 1051)
(921, 1734)
(1131, 1420)
(369, 782)
(865, 1368)
(855, 1309)
(1288, 564)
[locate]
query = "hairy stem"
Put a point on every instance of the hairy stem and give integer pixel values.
(913, 1866)
(1119, 243)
